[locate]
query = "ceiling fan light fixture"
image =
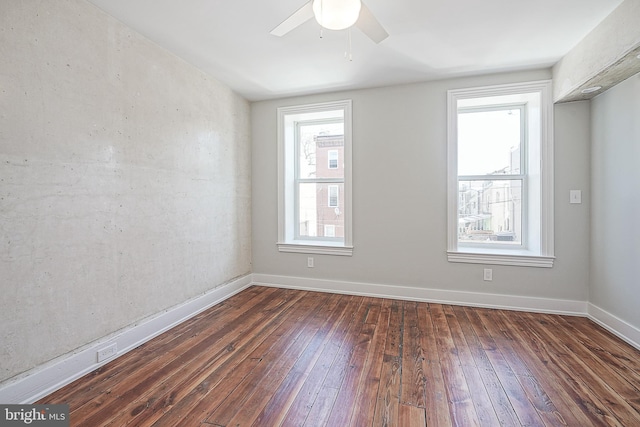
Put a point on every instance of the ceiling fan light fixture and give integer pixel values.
(336, 14)
(591, 89)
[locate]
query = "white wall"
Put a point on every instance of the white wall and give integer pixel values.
(399, 203)
(124, 180)
(615, 205)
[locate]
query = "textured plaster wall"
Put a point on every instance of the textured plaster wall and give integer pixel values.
(607, 43)
(615, 207)
(400, 199)
(124, 180)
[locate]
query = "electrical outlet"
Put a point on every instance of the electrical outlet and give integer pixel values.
(107, 352)
(488, 274)
(310, 262)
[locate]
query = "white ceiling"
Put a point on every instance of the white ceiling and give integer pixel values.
(428, 39)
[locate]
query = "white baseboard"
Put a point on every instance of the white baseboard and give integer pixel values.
(615, 325)
(475, 299)
(43, 380)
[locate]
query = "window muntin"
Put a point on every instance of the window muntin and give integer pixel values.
(314, 196)
(500, 179)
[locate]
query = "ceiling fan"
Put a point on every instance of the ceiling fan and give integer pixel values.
(335, 15)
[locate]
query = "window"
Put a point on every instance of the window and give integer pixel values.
(500, 168)
(333, 196)
(330, 231)
(333, 159)
(314, 205)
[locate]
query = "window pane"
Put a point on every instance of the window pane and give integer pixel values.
(490, 211)
(329, 231)
(333, 158)
(315, 140)
(489, 142)
(333, 196)
(314, 214)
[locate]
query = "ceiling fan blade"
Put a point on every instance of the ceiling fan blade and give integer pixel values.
(298, 18)
(369, 25)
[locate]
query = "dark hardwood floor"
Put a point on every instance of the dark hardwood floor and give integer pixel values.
(269, 357)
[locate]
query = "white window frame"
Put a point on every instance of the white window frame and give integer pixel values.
(332, 155)
(537, 249)
(288, 240)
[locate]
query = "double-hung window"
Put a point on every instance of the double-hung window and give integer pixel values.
(333, 159)
(500, 167)
(314, 174)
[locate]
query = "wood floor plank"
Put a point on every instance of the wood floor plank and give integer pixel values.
(504, 337)
(347, 397)
(352, 338)
(467, 344)
(437, 410)
(364, 408)
(291, 372)
(518, 399)
(612, 352)
(463, 413)
(607, 342)
(280, 402)
(388, 396)
(345, 400)
(297, 356)
(191, 376)
(592, 371)
(553, 358)
(129, 392)
(322, 407)
(275, 363)
(411, 416)
(340, 365)
(413, 376)
(278, 357)
(480, 343)
(217, 381)
(304, 400)
(572, 408)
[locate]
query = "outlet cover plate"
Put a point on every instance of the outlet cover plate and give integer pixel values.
(107, 352)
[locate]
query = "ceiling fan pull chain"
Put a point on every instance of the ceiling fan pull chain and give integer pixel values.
(322, 16)
(348, 54)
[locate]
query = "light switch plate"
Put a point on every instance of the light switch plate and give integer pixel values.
(575, 196)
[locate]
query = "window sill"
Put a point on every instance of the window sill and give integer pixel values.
(323, 248)
(521, 260)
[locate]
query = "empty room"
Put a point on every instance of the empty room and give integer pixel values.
(319, 213)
